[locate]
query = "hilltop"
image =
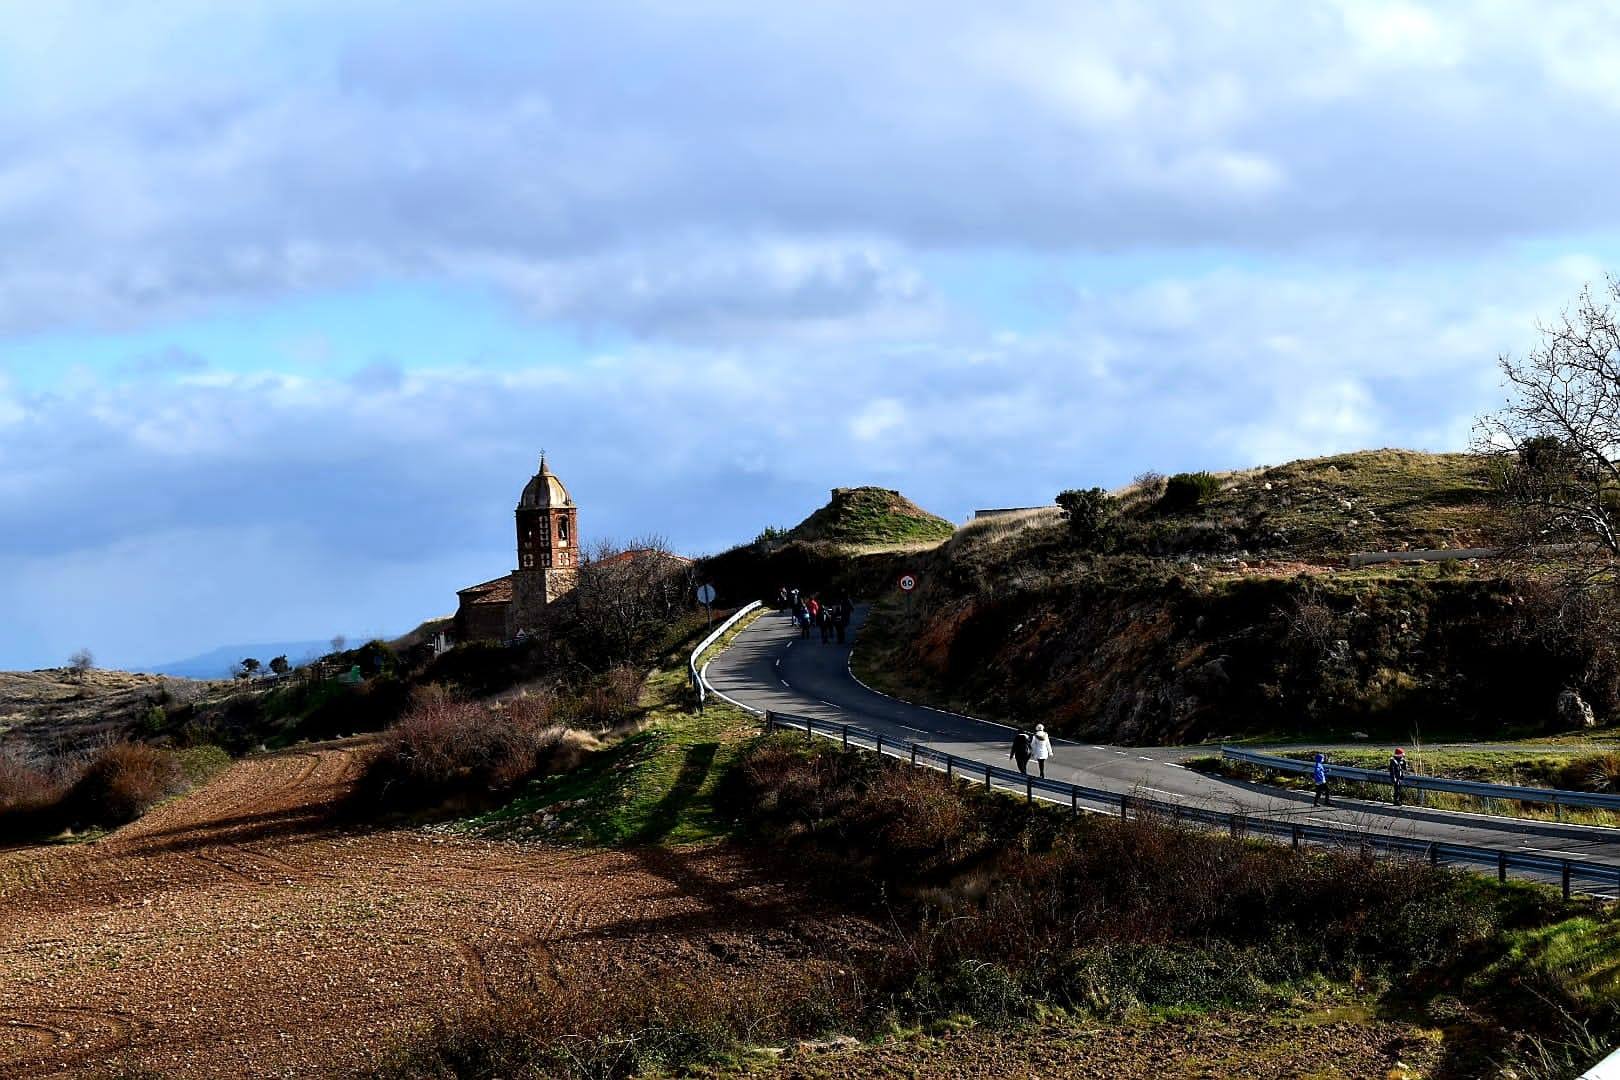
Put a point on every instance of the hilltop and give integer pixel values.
(865, 516)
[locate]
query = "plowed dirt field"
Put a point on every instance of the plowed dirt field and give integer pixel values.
(240, 932)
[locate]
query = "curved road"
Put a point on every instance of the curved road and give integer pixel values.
(768, 666)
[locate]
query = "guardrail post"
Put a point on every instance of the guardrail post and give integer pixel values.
(1074, 799)
(1124, 800)
(1434, 855)
(1238, 822)
(879, 740)
(1294, 835)
(1565, 878)
(846, 736)
(913, 755)
(987, 778)
(1558, 810)
(808, 724)
(1029, 789)
(1501, 866)
(770, 722)
(950, 767)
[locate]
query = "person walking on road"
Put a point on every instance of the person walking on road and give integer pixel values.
(1040, 748)
(841, 615)
(801, 616)
(1020, 751)
(1319, 774)
(1397, 773)
(826, 622)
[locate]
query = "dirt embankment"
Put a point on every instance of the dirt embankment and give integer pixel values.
(239, 932)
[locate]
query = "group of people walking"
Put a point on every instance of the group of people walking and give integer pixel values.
(1027, 748)
(830, 616)
(1397, 768)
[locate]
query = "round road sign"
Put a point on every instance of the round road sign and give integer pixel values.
(908, 582)
(705, 594)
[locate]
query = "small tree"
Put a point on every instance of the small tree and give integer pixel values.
(80, 664)
(1092, 514)
(1557, 442)
(248, 667)
(338, 642)
(279, 665)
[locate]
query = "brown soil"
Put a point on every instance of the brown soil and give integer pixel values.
(239, 932)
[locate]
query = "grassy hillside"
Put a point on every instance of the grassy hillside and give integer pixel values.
(1373, 500)
(1240, 615)
(870, 515)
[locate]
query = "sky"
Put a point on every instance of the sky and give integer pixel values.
(293, 295)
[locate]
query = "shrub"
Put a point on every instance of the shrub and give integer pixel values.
(25, 786)
(445, 751)
(611, 698)
(1188, 491)
(120, 783)
(1091, 514)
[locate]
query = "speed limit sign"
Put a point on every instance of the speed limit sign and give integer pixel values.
(908, 582)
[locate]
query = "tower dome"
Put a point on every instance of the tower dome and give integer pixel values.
(544, 490)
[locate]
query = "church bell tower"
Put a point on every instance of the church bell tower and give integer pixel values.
(547, 549)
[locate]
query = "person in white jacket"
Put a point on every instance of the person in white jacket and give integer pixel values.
(1040, 748)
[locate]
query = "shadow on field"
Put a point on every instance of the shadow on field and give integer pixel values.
(694, 770)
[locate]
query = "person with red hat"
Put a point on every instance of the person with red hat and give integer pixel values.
(1397, 772)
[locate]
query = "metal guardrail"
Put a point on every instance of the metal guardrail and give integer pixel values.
(698, 684)
(1557, 797)
(1573, 875)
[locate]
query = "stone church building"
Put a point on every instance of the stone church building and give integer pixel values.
(547, 566)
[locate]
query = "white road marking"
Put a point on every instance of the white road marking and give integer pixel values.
(1140, 757)
(784, 682)
(1122, 753)
(1175, 765)
(1094, 746)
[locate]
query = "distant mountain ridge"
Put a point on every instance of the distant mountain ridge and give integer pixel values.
(218, 663)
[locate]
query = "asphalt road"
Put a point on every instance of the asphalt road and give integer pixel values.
(768, 666)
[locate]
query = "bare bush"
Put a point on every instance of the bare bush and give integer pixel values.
(626, 598)
(446, 751)
(121, 782)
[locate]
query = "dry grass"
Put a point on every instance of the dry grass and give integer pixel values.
(448, 752)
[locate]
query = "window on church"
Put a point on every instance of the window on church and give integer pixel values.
(562, 530)
(528, 561)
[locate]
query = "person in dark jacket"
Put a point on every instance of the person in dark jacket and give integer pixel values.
(1319, 774)
(841, 614)
(1020, 751)
(1397, 773)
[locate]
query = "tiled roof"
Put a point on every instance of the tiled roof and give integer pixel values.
(498, 591)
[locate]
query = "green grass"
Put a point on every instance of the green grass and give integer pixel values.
(1366, 501)
(869, 515)
(655, 786)
(1486, 766)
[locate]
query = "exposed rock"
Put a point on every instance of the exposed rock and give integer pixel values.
(1573, 711)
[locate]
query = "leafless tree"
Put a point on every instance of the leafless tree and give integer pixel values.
(1557, 443)
(80, 664)
(625, 598)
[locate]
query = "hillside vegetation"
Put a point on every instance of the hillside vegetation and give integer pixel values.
(871, 515)
(1233, 610)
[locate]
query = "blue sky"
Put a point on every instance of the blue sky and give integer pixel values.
(292, 295)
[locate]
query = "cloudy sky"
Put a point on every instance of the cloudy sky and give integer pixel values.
(292, 295)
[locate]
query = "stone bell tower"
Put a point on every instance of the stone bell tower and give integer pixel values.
(547, 548)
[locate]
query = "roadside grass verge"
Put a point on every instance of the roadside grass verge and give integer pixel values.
(1565, 771)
